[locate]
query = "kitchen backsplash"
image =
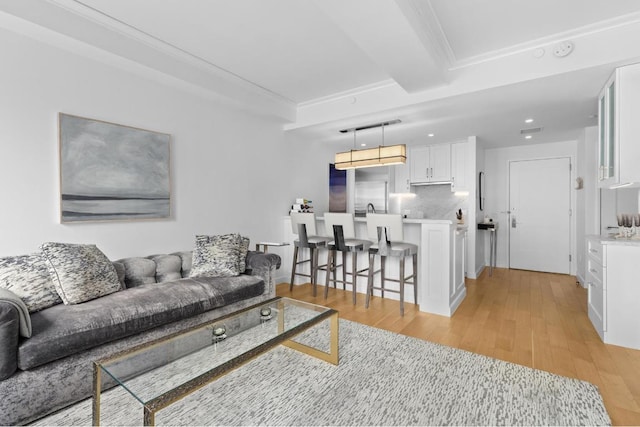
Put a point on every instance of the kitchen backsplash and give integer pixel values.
(431, 202)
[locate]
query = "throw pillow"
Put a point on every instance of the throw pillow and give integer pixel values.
(217, 256)
(27, 276)
(242, 253)
(80, 272)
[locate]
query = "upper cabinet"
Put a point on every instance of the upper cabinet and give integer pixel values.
(402, 178)
(461, 167)
(430, 163)
(619, 129)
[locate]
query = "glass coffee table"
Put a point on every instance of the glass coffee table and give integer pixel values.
(162, 372)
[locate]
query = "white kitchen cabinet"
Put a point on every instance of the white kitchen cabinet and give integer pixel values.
(614, 294)
(595, 285)
(460, 166)
(619, 128)
(431, 163)
(402, 179)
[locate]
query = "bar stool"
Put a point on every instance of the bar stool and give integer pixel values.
(304, 225)
(344, 240)
(387, 230)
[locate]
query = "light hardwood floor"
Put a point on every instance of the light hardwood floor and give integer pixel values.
(533, 319)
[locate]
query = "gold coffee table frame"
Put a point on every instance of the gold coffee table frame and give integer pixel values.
(283, 337)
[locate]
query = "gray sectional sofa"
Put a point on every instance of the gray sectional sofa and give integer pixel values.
(53, 368)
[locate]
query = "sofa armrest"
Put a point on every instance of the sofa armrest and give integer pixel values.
(9, 336)
(265, 266)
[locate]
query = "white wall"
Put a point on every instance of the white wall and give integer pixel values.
(497, 188)
(229, 168)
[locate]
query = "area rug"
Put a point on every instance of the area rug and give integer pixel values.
(383, 379)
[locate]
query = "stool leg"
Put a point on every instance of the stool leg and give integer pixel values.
(370, 280)
(415, 278)
(354, 274)
(402, 286)
(331, 255)
(293, 268)
(335, 269)
(313, 257)
(383, 261)
(344, 271)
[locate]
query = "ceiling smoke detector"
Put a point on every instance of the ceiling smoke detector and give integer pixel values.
(563, 49)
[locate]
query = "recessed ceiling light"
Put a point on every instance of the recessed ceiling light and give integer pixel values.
(529, 121)
(363, 145)
(527, 137)
(430, 135)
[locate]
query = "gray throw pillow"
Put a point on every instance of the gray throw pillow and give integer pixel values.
(217, 256)
(27, 276)
(80, 272)
(243, 250)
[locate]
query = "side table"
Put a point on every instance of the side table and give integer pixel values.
(266, 245)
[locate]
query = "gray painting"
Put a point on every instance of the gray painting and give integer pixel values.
(112, 172)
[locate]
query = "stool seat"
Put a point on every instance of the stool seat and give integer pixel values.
(352, 245)
(313, 242)
(396, 249)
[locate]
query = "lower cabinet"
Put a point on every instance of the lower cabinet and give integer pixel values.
(613, 269)
(595, 285)
(459, 261)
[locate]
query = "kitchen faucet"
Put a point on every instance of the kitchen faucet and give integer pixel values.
(373, 209)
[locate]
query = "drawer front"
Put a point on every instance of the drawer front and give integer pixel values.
(595, 250)
(595, 270)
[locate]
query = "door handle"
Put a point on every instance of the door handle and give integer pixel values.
(513, 222)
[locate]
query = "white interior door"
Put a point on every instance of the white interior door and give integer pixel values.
(540, 215)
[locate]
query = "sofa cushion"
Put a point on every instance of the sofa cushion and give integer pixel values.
(186, 257)
(120, 271)
(243, 250)
(138, 271)
(9, 326)
(217, 256)
(80, 272)
(168, 267)
(63, 330)
(27, 276)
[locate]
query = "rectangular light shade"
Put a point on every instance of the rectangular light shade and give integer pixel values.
(370, 157)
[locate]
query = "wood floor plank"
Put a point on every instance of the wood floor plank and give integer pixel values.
(533, 319)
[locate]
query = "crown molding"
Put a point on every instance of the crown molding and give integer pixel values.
(576, 33)
(77, 28)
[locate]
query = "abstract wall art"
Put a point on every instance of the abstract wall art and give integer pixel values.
(112, 172)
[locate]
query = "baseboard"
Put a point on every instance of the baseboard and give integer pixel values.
(581, 280)
(456, 302)
(480, 270)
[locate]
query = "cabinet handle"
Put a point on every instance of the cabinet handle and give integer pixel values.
(593, 270)
(431, 172)
(593, 251)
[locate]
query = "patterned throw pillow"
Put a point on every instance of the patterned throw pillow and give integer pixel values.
(27, 276)
(242, 253)
(219, 256)
(80, 272)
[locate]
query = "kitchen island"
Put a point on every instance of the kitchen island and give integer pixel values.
(441, 262)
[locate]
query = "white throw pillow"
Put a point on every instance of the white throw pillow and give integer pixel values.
(28, 277)
(80, 272)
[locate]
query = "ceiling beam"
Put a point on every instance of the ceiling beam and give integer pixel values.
(390, 39)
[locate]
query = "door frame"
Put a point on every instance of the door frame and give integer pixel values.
(572, 204)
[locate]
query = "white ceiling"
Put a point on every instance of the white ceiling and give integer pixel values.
(451, 67)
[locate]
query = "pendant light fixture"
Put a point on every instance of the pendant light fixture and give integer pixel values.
(371, 157)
